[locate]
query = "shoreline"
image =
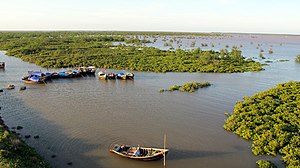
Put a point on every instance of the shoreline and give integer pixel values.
(14, 152)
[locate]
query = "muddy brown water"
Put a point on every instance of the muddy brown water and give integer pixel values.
(77, 120)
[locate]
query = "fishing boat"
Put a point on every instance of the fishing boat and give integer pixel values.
(139, 153)
(129, 75)
(77, 72)
(121, 76)
(102, 75)
(66, 74)
(34, 80)
(2, 65)
(35, 77)
(111, 75)
(10, 87)
(90, 70)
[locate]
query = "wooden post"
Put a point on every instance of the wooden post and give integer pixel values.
(165, 139)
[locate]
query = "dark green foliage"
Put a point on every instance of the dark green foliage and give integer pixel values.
(14, 153)
(298, 58)
(265, 164)
(69, 49)
(272, 120)
(187, 87)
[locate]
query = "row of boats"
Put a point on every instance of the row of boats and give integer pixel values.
(127, 75)
(40, 77)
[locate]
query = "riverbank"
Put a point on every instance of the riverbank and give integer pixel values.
(15, 153)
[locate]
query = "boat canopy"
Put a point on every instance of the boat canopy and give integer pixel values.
(34, 78)
(35, 73)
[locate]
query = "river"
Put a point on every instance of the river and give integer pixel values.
(78, 119)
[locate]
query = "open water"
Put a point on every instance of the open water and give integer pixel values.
(78, 119)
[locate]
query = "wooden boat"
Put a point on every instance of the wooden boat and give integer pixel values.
(91, 70)
(102, 75)
(35, 77)
(129, 75)
(111, 75)
(139, 153)
(10, 87)
(66, 74)
(121, 76)
(2, 65)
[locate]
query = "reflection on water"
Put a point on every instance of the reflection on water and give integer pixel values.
(79, 119)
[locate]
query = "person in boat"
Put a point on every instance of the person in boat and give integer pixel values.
(122, 148)
(137, 152)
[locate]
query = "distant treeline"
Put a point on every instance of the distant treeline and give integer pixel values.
(69, 49)
(110, 33)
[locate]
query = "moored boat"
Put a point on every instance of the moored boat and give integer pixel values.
(102, 75)
(139, 153)
(129, 75)
(36, 77)
(10, 87)
(111, 75)
(91, 70)
(66, 74)
(2, 65)
(34, 80)
(121, 76)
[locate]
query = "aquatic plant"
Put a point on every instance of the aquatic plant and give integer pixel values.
(271, 120)
(193, 44)
(265, 164)
(297, 59)
(261, 56)
(187, 87)
(270, 51)
(174, 87)
(282, 60)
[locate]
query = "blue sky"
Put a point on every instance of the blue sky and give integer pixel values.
(244, 16)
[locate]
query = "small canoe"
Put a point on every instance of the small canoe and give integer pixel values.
(139, 153)
(10, 87)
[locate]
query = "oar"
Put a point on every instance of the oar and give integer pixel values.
(165, 139)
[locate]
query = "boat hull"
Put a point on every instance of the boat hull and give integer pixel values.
(151, 154)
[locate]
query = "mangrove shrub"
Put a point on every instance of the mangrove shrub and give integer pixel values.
(271, 119)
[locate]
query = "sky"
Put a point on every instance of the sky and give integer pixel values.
(234, 16)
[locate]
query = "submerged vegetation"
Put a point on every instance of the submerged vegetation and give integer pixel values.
(187, 87)
(271, 120)
(69, 49)
(14, 153)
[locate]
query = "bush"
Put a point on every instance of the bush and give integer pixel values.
(297, 58)
(271, 120)
(265, 164)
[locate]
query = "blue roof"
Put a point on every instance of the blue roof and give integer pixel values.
(36, 73)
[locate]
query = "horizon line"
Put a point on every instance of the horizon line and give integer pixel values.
(162, 31)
